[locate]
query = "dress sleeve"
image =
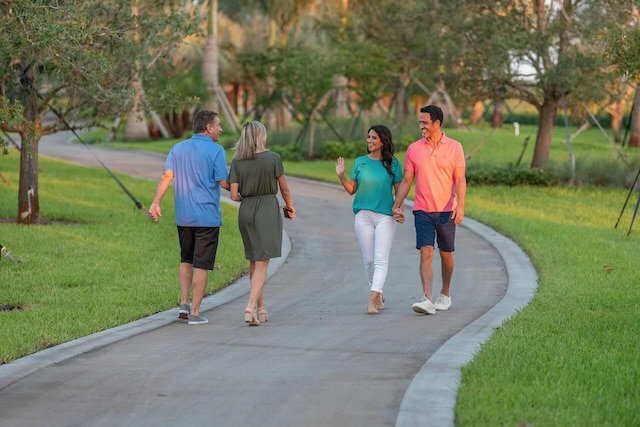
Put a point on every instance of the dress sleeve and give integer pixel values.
(233, 172)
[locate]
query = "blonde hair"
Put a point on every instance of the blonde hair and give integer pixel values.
(252, 138)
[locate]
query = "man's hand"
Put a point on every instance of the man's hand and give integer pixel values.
(154, 211)
(458, 214)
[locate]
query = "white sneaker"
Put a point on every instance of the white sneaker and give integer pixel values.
(424, 307)
(443, 302)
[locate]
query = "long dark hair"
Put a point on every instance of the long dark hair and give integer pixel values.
(387, 145)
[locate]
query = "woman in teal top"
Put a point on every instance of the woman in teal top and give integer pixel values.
(373, 179)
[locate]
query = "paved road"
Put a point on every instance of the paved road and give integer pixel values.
(319, 361)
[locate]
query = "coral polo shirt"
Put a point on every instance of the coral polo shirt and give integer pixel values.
(434, 172)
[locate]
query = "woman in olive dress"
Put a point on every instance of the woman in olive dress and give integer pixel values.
(255, 176)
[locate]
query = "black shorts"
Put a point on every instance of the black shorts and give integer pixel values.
(198, 246)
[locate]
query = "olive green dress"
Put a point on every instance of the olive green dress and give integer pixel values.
(259, 216)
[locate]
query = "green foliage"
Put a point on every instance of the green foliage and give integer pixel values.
(509, 176)
(596, 171)
(402, 142)
(367, 66)
(299, 74)
(623, 50)
(290, 153)
(88, 51)
(333, 149)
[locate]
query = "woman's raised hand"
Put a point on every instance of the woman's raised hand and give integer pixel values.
(340, 166)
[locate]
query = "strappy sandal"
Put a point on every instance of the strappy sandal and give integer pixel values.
(251, 317)
(262, 314)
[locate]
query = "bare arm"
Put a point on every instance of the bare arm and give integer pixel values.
(161, 189)
(403, 189)
(224, 184)
(460, 183)
(234, 194)
(350, 185)
(286, 195)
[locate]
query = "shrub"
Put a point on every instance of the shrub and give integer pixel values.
(508, 176)
(402, 143)
(333, 149)
(288, 153)
(596, 172)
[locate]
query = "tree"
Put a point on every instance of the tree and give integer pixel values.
(412, 36)
(623, 52)
(537, 51)
(210, 64)
(76, 57)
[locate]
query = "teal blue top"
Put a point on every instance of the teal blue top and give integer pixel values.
(375, 184)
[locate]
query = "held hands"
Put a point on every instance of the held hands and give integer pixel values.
(398, 215)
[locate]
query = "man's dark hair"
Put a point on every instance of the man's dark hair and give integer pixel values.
(434, 112)
(202, 119)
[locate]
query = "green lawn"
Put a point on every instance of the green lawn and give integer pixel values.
(100, 264)
(570, 358)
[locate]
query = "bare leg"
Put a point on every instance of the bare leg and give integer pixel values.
(186, 278)
(447, 271)
(258, 276)
(260, 298)
(426, 270)
(373, 300)
(199, 286)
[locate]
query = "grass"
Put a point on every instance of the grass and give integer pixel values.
(570, 358)
(99, 264)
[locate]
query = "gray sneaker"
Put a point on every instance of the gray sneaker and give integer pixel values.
(424, 307)
(197, 320)
(443, 302)
(185, 310)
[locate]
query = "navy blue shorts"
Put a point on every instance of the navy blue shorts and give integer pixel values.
(432, 224)
(199, 246)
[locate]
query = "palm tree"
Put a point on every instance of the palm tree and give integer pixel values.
(136, 128)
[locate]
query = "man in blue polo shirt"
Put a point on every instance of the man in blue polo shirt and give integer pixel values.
(198, 166)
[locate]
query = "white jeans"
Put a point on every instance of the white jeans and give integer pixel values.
(375, 232)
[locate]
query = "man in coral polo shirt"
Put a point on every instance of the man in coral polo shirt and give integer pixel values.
(438, 165)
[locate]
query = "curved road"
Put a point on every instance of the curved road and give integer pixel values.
(320, 360)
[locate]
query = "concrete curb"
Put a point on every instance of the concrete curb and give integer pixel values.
(20, 368)
(431, 397)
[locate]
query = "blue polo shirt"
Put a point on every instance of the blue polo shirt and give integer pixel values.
(198, 164)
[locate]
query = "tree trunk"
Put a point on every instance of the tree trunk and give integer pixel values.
(137, 128)
(341, 86)
(477, 113)
(399, 99)
(210, 73)
(498, 110)
(28, 196)
(634, 141)
(312, 131)
(548, 113)
(616, 112)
